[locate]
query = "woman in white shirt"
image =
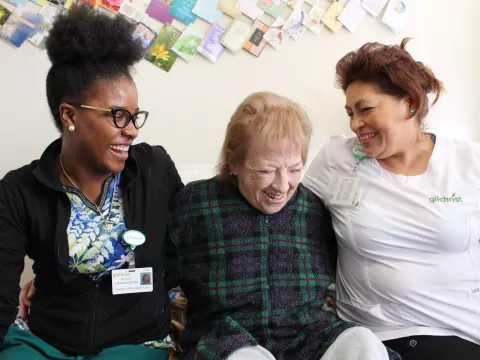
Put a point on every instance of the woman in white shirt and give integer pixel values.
(405, 206)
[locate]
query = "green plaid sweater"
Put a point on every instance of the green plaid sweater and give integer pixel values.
(252, 279)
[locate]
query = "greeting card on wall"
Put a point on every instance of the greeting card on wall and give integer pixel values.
(20, 24)
(294, 24)
(48, 15)
(294, 4)
(111, 5)
(207, 10)
(395, 16)
(187, 44)
(374, 6)
(352, 15)
(274, 8)
(135, 9)
(161, 54)
(331, 17)
(236, 35)
(4, 15)
(313, 20)
(276, 36)
(250, 8)
(182, 11)
(210, 47)
(144, 34)
(159, 11)
(257, 41)
(228, 7)
(17, 2)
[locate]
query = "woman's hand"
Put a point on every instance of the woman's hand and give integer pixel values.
(28, 290)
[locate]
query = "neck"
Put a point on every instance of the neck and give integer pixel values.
(77, 174)
(413, 160)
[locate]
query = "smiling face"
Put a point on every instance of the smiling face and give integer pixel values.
(270, 173)
(382, 122)
(96, 139)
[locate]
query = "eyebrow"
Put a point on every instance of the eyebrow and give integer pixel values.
(357, 104)
(124, 108)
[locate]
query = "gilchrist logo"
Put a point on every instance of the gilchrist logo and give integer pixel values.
(445, 199)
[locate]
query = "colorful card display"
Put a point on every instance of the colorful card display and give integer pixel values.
(313, 20)
(276, 36)
(210, 47)
(182, 11)
(228, 8)
(159, 11)
(160, 53)
(294, 24)
(144, 34)
(236, 35)
(257, 41)
(187, 44)
(207, 10)
(274, 8)
(331, 17)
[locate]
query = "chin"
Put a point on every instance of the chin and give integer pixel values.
(115, 168)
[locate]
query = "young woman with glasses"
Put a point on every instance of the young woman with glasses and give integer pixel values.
(91, 212)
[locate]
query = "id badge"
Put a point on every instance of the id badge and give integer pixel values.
(131, 281)
(347, 192)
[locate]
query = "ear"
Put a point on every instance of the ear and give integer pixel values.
(231, 166)
(67, 114)
(410, 107)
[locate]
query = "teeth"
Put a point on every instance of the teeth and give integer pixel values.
(274, 197)
(123, 148)
(367, 136)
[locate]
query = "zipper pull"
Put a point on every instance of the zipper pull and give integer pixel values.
(266, 220)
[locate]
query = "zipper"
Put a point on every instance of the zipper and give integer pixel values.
(269, 296)
(93, 318)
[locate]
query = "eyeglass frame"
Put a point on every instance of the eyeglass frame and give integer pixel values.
(113, 111)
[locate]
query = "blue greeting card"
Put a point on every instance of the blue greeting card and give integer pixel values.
(182, 11)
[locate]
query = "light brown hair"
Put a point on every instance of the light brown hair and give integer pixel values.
(273, 117)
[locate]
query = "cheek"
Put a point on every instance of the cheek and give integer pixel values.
(258, 183)
(294, 179)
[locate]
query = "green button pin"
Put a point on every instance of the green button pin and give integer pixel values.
(133, 238)
(359, 152)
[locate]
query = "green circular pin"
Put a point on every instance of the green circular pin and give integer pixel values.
(133, 238)
(359, 152)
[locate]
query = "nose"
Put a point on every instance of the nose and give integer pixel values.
(130, 131)
(280, 183)
(356, 123)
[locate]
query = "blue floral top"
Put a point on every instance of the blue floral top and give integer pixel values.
(95, 244)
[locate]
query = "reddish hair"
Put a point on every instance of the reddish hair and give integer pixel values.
(394, 70)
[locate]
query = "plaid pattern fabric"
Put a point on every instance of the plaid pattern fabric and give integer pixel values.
(252, 279)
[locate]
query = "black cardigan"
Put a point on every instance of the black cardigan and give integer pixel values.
(71, 311)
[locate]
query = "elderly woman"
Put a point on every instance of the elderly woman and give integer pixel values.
(253, 248)
(406, 211)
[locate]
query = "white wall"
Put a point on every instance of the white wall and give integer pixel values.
(191, 105)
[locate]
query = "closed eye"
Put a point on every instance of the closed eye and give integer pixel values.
(295, 170)
(364, 110)
(267, 171)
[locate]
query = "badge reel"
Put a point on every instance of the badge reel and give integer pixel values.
(348, 190)
(133, 238)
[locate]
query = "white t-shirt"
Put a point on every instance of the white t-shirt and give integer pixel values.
(409, 252)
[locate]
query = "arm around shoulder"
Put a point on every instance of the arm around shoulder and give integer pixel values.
(317, 177)
(13, 248)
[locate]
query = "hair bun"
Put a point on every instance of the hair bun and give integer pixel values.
(84, 35)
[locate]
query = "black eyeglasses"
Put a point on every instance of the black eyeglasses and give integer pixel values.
(121, 117)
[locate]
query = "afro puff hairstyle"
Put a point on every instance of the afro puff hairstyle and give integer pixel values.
(84, 47)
